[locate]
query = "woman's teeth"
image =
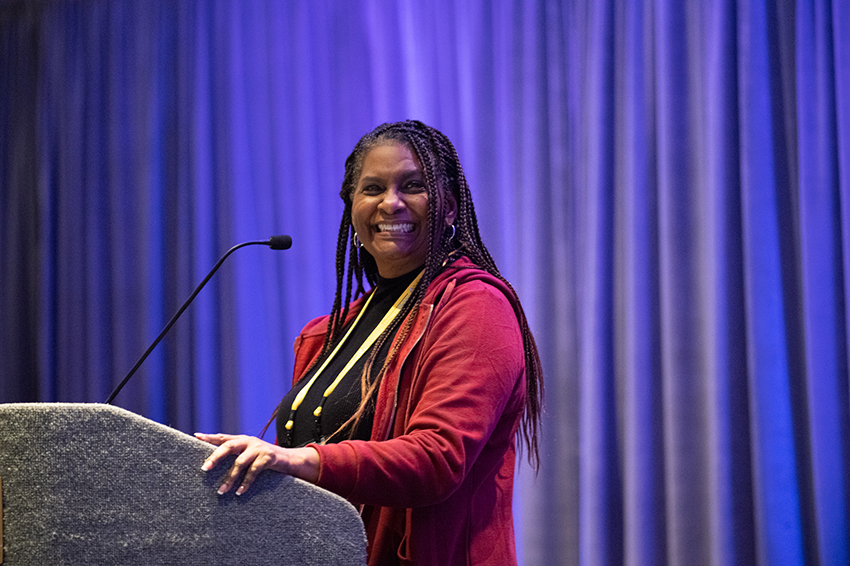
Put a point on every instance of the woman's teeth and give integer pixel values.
(405, 227)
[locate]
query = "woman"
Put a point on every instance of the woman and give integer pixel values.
(407, 401)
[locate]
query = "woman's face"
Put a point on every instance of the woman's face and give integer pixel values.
(389, 209)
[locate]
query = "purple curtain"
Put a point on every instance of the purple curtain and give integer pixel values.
(667, 184)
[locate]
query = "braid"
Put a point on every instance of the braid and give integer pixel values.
(443, 175)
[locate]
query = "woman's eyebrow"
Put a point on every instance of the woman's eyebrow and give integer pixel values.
(404, 176)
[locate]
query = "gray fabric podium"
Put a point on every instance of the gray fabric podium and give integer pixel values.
(95, 484)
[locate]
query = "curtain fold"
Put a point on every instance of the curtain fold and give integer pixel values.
(666, 184)
(823, 277)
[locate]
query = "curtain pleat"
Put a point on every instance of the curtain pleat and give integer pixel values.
(825, 434)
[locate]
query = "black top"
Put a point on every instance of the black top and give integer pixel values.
(345, 399)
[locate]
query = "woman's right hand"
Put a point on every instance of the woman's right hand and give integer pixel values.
(254, 455)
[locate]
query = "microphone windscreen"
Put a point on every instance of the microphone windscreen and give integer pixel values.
(281, 242)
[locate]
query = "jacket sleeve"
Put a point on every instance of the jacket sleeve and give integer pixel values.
(467, 383)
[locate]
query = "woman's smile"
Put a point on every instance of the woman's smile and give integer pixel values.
(400, 228)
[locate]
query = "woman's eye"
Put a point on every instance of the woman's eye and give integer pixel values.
(415, 187)
(371, 190)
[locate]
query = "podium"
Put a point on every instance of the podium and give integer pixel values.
(96, 484)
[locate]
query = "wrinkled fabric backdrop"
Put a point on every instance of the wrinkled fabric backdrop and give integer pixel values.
(667, 185)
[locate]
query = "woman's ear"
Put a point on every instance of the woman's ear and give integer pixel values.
(450, 208)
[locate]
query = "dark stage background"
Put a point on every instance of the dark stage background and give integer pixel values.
(666, 183)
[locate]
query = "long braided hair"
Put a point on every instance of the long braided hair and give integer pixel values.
(443, 175)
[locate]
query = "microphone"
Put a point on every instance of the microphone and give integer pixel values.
(278, 242)
(281, 242)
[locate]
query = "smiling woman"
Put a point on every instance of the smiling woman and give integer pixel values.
(389, 210)
(407, 400)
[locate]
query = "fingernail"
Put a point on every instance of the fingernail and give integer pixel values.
(241, 490)
(221, 490)
(206, 467)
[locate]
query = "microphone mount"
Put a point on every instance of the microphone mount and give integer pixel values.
(275, 242)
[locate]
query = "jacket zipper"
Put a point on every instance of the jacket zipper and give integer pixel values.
(390, 425)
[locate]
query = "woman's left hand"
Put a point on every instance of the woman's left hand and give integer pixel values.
(255, 455)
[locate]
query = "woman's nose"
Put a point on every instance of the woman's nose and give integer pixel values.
(392, 200)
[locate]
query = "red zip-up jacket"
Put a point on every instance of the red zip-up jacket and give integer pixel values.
(435, 481)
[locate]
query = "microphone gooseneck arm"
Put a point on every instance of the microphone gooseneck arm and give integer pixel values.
(275, 243)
